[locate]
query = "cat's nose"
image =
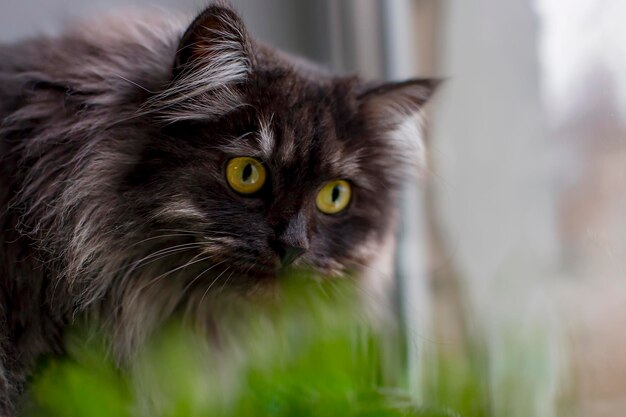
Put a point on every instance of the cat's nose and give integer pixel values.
(288, 254)
(292, 239)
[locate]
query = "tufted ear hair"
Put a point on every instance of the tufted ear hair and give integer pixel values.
(216, 38)
(213, 58)
(392, 103)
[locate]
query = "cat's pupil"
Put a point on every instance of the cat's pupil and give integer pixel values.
(336, 193)
(247, 173)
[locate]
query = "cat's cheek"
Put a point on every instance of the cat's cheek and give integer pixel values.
(182, 210)
(323, 259)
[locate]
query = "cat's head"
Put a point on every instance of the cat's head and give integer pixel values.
(270, 161)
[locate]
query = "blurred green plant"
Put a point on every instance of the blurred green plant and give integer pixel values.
(311, 352)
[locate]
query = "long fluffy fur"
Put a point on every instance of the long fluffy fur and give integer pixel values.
(112, 194)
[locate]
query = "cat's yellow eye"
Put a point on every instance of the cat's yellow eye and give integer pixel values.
(334, 197)
(245, 175)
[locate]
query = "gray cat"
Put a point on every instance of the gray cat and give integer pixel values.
(145, 165)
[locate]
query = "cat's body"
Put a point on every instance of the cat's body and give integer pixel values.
(113, 199)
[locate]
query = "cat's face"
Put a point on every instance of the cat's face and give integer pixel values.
(266, 162)
(291, 176)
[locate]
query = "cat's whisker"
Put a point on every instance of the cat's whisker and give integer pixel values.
(190, 232)
(169, 250)
(158, 255)
(212, 283)
(227, 280)
(137, 292)
(198, 233)
(153, 281)
(158, 237)
(201, 274)
(197, 258)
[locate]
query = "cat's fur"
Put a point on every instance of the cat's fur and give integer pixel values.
(113, 200)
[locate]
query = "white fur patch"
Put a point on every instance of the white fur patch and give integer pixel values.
(266, 138)
(180, 209)
(409, 134)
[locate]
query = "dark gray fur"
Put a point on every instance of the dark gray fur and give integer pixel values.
(113, 140)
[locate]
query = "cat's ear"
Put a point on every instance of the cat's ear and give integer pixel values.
(216, 42)
(392, 103)
(393, 111)
(214, 56)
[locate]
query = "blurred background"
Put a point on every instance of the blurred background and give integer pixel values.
(520, 226)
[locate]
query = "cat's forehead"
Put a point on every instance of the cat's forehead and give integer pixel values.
(292, 92)
(313, 147)
(302, 123)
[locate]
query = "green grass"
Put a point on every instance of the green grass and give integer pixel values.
(312, 353)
